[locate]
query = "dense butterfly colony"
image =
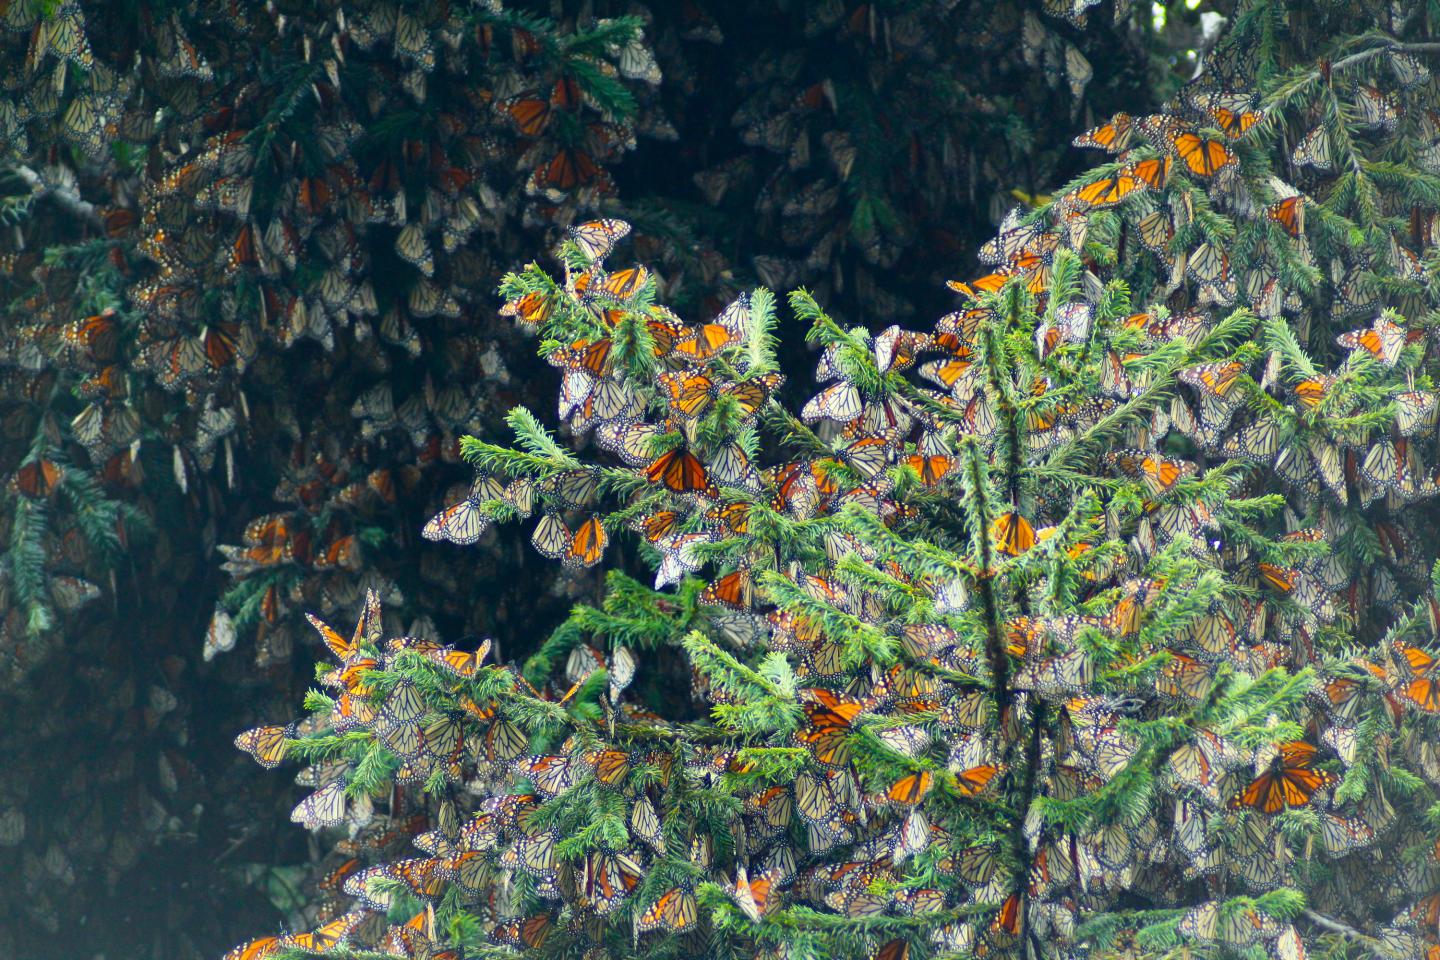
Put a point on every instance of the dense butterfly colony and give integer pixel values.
(224, 216)
(283, 213)
(138, 374)
(1097, 618)
(318, 206)
(307, 206)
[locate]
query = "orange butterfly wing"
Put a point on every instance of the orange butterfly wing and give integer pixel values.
(1204, 157)
(680, 471)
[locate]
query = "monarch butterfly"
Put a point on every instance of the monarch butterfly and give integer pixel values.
(854, 898)
(772, 810)
(1407, 264)
(1109, 191)
(610, 766)
(735, 590)
(1258, 442)
(1415, 410)
(908, 741)
(631, 440)
(1290, 781)
(322, 938)
(1159, 474)
(1378, 110)
(587, 546)
(505, 741)
(442, 741)
(597, 238)
(551, 537)
(1011, 918)
(974, 780)
(658, 527)
(910, 789)
(1013, 534)
(268, 745)
(607, 879)
(531, 115)
(550, 774)
(839, 402)
(733, 517)
(1112, 137)
(958, 329)
(1198, 763)
(255, 949)
(1422, 688)
(1383, 340)
(461, 663)
(753, 896)
(533, 308)
(1204, 157)
(1314, 150)
(401, 712)
(1388, 466)
(689, 392)
(979, 865)
(1289, 213)
(1312, 392)
(675, 910)
(702, 342)
(38, 479)
(969, 710)
(947, 371)
(931, 469)
(1215, 635)
(741, 629)
(623, 284)
(1208, 264)
(819, 804)
(1053, 863)
(1340, 835)
(528, 932)
(750, 395)
(829, 718)
(460, 523)
(1184, 678)
(1012, 238)
(680, 471)
(570, 169)
(1233, 113)
(323, 808)
(731, 466)
(421, 875)
(645, 824)
(573, 489)
(588, 356)
(412, 247)
(367, 630)
(1153, 173)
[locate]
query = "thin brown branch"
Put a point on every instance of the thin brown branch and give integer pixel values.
(64, 197)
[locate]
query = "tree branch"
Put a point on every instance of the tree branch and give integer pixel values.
(65, 198)
(1345, 930)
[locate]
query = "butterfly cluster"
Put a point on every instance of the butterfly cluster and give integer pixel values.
(261, 310)
(987, 588)
(1052, 607)
(1074, 622)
